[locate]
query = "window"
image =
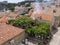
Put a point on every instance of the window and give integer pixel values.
(58, 5)
(43, 8)
(54, 11)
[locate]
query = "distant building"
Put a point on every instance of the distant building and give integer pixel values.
(29, 0)
(40, 0)
(49, 12)
(4, 4)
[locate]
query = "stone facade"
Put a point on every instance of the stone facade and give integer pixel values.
(16, 40)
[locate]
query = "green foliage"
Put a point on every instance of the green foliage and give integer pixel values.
(32, 27)
(10, 8)
(11, 21)
(42, 28)
(22, 22)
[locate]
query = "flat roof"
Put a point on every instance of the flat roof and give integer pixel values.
(8, 32)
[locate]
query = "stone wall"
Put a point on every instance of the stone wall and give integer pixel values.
(16, 40)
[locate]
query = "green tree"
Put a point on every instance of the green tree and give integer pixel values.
(10, 8)
(32, 27)
(41, 29)
(23, 22)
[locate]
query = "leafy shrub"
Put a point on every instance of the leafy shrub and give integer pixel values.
(33, 27)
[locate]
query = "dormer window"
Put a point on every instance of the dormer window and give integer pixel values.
(54, 11)
(56, 5)
(43, 8)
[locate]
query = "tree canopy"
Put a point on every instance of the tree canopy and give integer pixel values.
(31, 26)
(10, 7)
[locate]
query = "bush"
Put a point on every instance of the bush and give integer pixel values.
(22, 22)
(33, 27)
(11, 21)
(42, 28)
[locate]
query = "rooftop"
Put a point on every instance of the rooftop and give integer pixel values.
(45, 17)
(3, 19)
(7, 32)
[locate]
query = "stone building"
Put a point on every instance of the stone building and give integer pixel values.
(10, 35)
(49, 13)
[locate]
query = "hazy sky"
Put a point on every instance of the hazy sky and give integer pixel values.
(12, 1)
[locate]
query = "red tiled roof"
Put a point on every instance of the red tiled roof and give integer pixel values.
(3, 19)
(7, 32)
(46, 17)
(15, 15)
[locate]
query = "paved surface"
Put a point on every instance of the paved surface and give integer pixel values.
(29, 43)
(56, 38)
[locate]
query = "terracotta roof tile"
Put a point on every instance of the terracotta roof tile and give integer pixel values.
(46, 17)
(15, 15)
(7, 32)
(3, 19)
